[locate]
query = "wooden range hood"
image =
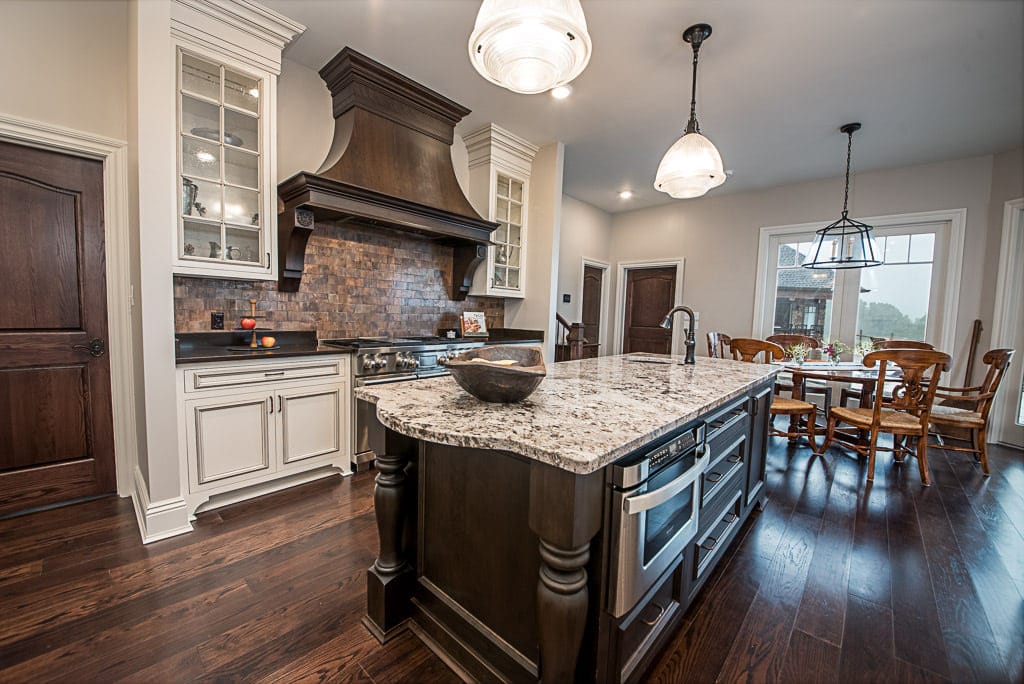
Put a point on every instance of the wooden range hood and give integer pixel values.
(390, 165)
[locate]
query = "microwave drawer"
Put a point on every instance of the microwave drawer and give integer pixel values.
(203, 379)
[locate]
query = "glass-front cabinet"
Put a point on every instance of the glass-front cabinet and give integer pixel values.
(225, 181)
(499, 186)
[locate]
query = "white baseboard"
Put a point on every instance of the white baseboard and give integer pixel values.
(160, 520)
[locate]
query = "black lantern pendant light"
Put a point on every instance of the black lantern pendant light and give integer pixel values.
(846, 243)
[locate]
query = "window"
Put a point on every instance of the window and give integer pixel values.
(905, 298)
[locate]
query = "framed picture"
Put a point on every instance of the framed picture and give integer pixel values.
(474, 324)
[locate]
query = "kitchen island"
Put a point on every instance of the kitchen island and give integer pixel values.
(505, 540)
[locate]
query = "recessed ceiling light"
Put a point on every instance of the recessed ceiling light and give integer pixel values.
(626, 194)
(561, 92)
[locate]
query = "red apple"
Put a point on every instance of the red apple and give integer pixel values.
(268, 341)
(248, 323)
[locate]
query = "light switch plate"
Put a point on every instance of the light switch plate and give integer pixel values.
(566, 298)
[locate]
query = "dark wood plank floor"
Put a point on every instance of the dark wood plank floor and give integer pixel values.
(835, 580)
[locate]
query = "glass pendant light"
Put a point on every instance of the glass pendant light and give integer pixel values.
(846, 243)
(530, 46)
(692, 166)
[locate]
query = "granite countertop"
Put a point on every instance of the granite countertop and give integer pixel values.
(208, 347)
(585, 415)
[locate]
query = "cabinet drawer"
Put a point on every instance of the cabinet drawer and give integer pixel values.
(198, 380)
(725, 428)
(638, 634)
(717, 538)
(727, 457)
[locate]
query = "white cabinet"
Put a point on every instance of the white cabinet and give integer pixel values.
(499, 187)
(256, 426)
(226, 98)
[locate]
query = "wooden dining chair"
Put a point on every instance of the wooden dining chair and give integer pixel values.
(854, 392)
(967, 408)
(761, 351)
(814, 387)
(718, 345)
(904, 413)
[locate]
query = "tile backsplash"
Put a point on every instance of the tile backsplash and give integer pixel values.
(358, 281)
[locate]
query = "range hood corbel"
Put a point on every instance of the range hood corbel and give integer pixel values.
(389, 166)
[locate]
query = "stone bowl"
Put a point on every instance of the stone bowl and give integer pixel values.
(489, 380)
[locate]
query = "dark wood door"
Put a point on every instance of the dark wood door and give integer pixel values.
(650, 293)
(593, 278)
(56, 428)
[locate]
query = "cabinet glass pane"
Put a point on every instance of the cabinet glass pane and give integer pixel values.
(516, 214)
(200, 158)
(207, 199)
(500, 276)
(503, 182)
(242, 245)
(241, 130)
(513, 256)
(241, 91)
(501, 254)
(501, 210)
(201, 240)
(500, 234)
(200, 118)
(514, 235)
(241, 168)
(517, 191)
(513, 278)
(199, 77)
(241, 206)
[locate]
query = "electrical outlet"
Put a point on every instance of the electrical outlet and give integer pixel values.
(217, 320)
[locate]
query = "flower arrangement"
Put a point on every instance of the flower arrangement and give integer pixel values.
(798, 352)
(832, 349)
(863, 348)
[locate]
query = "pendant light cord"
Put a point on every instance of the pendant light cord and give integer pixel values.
(692, 126)
(849, 152)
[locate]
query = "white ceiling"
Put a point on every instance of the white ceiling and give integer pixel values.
(929, 79)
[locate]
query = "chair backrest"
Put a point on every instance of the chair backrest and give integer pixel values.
(755, 351)
(902, 344)
(718, 345)
(997, 360)
(915, 391)
(786, 341)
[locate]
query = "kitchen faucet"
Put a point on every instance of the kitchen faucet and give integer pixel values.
(691, 343)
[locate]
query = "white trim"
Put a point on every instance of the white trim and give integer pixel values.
(159, 520)
(602, 333)
(1006, 315)
(114, 155)
(957, 219)
(620, 296)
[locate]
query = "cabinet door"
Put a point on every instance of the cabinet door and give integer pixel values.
(760, 404)
(509, 249)
(230, 438)
(313, 421)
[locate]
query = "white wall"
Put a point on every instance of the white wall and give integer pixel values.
(586, 232)
(719, 235)
(536, 311)
(1007, 184)
(65, 63)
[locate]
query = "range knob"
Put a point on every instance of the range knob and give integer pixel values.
(442, 358)
(379, 361)
(402, 360)
(368, 363)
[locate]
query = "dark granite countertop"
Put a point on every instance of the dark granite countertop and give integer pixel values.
(207, 347)
(510, 336)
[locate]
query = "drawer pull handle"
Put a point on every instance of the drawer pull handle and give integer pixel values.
(714, 542)
(730, 518)
(657, 618)
(733, 459)
(270, 375)
(713, 476)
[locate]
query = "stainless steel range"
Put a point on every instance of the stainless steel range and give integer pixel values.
(379, 360)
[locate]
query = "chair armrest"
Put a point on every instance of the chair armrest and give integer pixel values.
(962, 390)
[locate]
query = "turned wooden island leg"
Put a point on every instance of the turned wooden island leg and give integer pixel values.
(389, 580)
(565, 512)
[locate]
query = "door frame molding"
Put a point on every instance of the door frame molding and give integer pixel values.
(620, 295)
(1006, 312)
(602, 332)
(957, 219)
(120, 297)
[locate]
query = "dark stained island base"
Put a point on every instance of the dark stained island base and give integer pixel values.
(509, 542)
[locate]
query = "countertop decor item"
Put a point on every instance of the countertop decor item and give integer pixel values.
(846, 243)
(473, 323)
(692, 166)
(530, 46)
(245, 322)
(500, 374)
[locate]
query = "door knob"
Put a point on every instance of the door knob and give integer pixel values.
(96, 347)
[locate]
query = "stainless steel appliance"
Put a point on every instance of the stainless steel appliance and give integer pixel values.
(654, 505)
(379, 360)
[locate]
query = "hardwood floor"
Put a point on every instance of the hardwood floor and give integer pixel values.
(835, 580)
